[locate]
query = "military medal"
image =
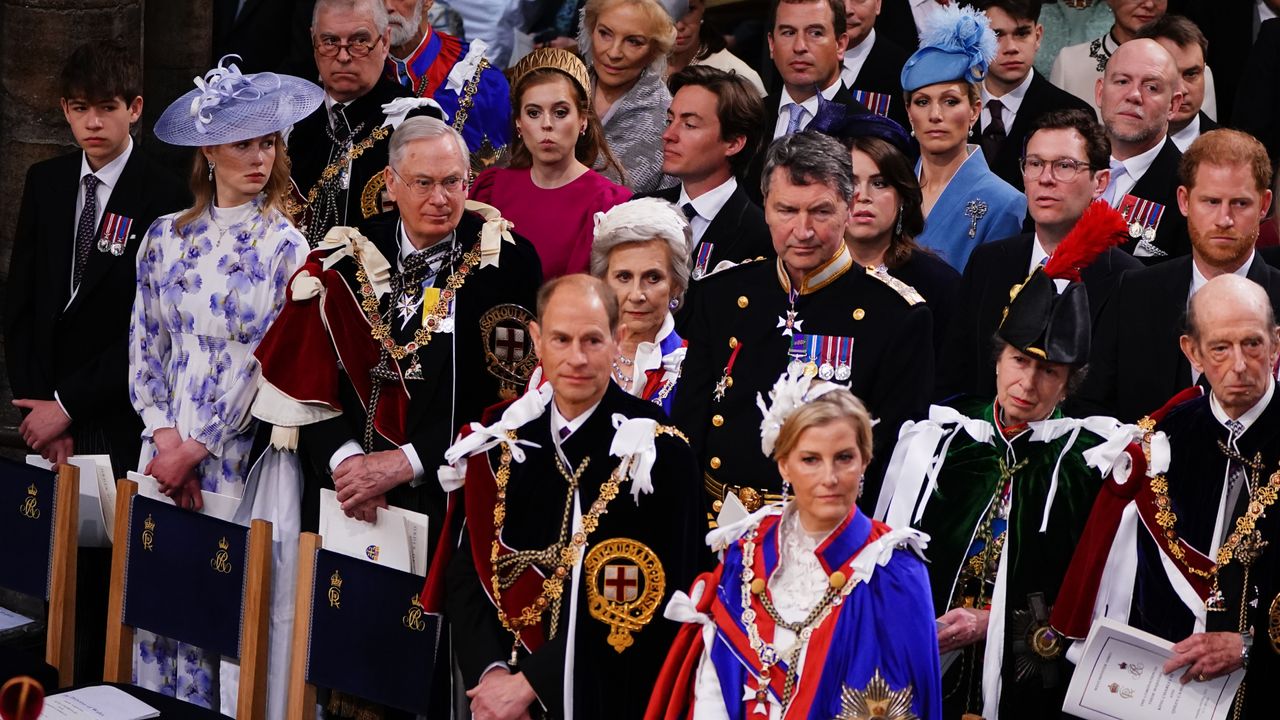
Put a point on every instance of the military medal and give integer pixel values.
(844, 369)
(790, 325)
(827, 369)
(703, 259)
(877, 103)
(115, 233)
(975, 211)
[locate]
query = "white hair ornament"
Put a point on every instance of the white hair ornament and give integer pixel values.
(793, 390)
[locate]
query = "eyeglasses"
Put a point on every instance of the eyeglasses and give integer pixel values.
(421, 187)
(1062, 169)
(330, 47)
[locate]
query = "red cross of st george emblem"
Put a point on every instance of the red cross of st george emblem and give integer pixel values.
(621, 582)
(508, 343)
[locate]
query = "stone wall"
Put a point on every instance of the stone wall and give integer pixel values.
(172, 38)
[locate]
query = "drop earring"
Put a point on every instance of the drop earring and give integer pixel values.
(210, 170)
(786, 491)
(897, 231)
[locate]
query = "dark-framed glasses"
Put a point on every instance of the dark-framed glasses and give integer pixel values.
(357, 48)
(1061, 169)
(421, 187)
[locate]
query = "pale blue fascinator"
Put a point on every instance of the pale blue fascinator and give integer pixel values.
(956, 43)
(228, 106)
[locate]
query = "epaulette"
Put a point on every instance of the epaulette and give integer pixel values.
(671, 430)
(726, 265)
(908, 293)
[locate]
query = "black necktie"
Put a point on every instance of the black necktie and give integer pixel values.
(84, 230)
(689, 211)
(994, 134)
(341, 128)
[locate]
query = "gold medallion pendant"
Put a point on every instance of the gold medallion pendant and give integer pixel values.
(625, 585)
(876, 702)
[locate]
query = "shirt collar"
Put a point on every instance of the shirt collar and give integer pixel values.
(856, 55)
(709, 203)
(1250, 416)
(1265, 12)
(407, 248)
(1187, 135)
(821, 276)
(108, 174)
(1038, 255)
(558, 421)
(812, 103)
(1198, 279)
(1013, 99)
(1138, 165)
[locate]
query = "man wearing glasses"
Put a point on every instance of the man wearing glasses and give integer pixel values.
(340, 150)
(1065, 168)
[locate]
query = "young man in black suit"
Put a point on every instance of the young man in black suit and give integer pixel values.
(1137, 93)
(72, 274)
(1136, 363)
(872, 66)
(1066, 170)
(713, 131)
(72, 280)
(1188, 46)
(1014, 95)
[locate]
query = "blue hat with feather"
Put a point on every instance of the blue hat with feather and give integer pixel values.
(956, 43)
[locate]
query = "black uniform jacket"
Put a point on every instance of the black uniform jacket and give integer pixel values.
(312, 149)
(457, 379)
(606, 683)
(1159, 184)
(994, 268)
(1136, 363)
(1196, 484)
(79, 347)
(738, 314)
(1042, 97)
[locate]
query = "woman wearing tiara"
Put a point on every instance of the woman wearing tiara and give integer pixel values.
(816, 611)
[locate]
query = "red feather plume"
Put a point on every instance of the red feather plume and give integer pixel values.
(1099, 228)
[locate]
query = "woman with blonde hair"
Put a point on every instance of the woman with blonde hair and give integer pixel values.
(549, 190)
(816, 610)
(625, 44)
(210, 281)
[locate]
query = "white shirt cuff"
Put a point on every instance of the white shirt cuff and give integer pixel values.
(60, 405)
(348, 449)
(415, 462)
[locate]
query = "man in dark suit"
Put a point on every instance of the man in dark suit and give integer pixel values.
(268, 35)
(1066, 171)
(1257, 107)
(1232, 29)
(807, 39)
(1187, 45)
(872, 66)
(1137, 92)
(1014, 95)
(72, 280)
(73, 272)
(713, 130)
(1136, 364)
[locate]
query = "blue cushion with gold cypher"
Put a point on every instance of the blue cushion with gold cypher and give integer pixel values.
(369, 634)
(184, 575)
(26, 527)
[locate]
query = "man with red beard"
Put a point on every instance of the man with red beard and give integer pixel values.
(1136, 363)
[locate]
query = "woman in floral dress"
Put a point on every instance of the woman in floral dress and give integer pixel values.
(210, 281)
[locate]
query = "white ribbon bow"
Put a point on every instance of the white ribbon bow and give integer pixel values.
(726, 535)
(527, 407)
(465, 68)
(397, 110)
(633, 442)
(348, 242)
(1050, 430)
(495, 230)
(683, 608)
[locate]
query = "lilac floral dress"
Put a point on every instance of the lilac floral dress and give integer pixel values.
(206, 296)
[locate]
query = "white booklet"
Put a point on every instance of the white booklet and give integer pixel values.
(1119, 677)
(398, 538)
(218, 505)
(97, 496)
(98, 701)
(10, 619)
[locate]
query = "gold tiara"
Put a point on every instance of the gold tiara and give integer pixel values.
(555, 59)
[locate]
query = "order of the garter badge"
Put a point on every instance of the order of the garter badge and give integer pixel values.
(625, 585)
(508, 346)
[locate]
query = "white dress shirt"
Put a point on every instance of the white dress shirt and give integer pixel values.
(1011, 102)
(1040, 257)
(1226, 504)
(1187, 135)
(855, 58)
(921, 10)
(1135, 167)
(707, 205)
(108, 178)
(810, 108)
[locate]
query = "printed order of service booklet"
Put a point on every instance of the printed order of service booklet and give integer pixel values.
(1120, 677)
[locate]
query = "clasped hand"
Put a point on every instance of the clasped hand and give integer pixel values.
(362, 481)
(44, 429)
(501, 695)
(961, 627)
(174, 467)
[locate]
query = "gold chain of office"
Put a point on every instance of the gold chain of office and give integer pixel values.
(381, 329)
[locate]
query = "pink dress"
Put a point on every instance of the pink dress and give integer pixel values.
(558, 222)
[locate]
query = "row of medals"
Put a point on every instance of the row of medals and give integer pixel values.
(825, 371)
